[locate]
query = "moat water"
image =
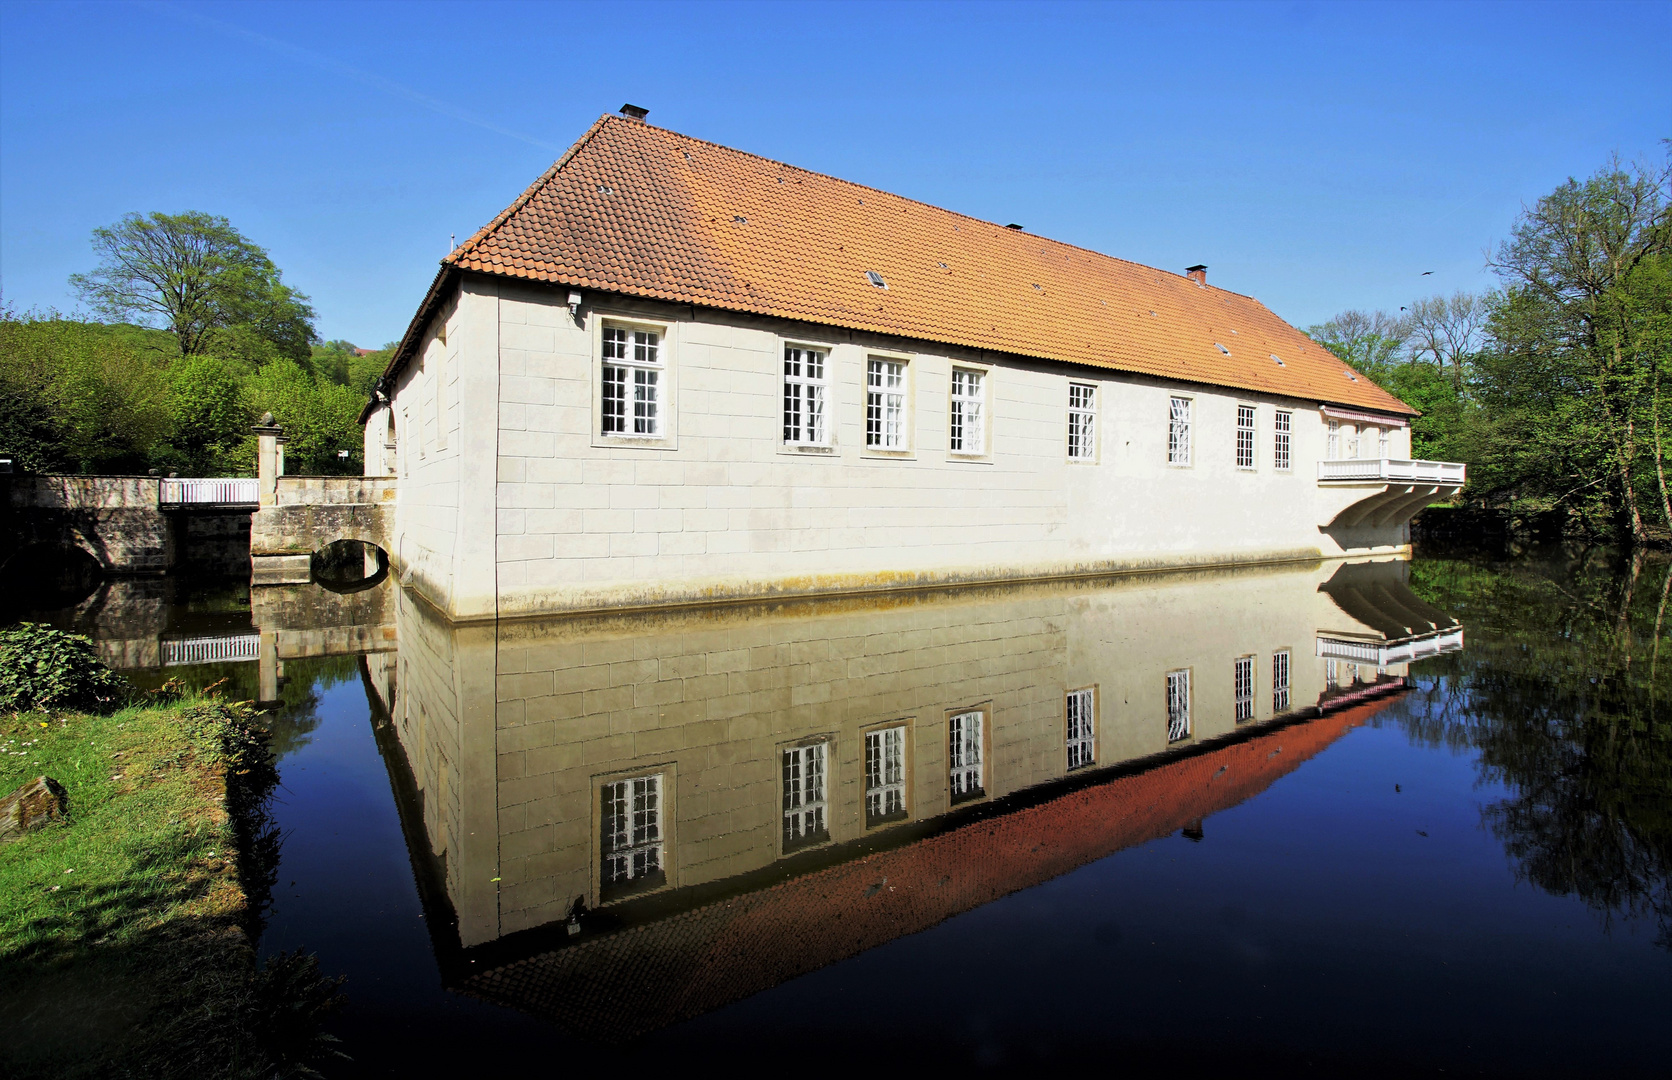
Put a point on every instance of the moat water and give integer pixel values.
(1436, 834)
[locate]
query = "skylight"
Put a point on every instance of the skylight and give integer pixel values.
(876, 279)
(1279, 360)
(1222, 348)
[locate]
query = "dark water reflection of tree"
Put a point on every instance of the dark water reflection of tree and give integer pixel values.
(1564, 693)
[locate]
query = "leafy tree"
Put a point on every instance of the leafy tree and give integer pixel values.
(320, 418)
(199, 276)
(211, 419)
(76, 397)
(1578, 271)
(1362, 340)
(1448, 330)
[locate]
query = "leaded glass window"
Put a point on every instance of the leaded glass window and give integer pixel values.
(964, 755)
(632, 845)
(1178, 705)
(805, 772)
(885, 404)
(805, 394)
(967, 435)
(1243, 679)
(632, 382)
(885, 775)
(1178, 431)
(1082, 422)
(1082, 728)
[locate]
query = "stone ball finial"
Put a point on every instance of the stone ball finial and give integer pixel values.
(266, 419)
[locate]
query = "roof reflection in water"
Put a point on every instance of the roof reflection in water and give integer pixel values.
(624, 821)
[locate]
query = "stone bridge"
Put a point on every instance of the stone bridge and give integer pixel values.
(118, 521)
(301, 515)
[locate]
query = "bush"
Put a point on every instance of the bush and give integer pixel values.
(43, 668)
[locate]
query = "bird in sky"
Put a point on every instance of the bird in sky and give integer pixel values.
(1425, 273)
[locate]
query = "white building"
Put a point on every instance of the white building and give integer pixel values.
(671, 372)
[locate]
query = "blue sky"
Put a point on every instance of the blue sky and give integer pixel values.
(1317, 156)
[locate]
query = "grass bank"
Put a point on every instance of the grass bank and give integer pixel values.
(125, 930)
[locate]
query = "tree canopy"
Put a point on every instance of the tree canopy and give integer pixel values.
(198, 276)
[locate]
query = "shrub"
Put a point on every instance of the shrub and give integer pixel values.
(43, 668)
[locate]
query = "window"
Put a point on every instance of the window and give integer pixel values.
(964, 755)
(1352, 441)
(1082, 728)
(804, 396)
(885, 404)
(805, 769)
(1334, 443)
(1280, 682)
(1178, 432)
(1332, 674)
(1178, 705)
(885, 775)
(1243, 678)
(967, 434)
(1082, 422)
(1381, 442)
(1245, 436)
(632, 836)
(632, 403)
(1280, 439)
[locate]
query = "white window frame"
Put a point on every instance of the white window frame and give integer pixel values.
(1180, 412)
(1382, 442)
(1080, 727)
(808, 397)
(632, 834)
(1246, 415)
(966, 755)
(806, 776)
(1332, 441)
(886, 400)
(1242, 687)
(1352, 447)
(665, 382)
(1280, 681)
(1282, 436)
(1082, 422)
(887, 765)
(1178, 705)
(967, 414)
(1332, 675)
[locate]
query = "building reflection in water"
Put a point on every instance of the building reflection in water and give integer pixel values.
(623, 821)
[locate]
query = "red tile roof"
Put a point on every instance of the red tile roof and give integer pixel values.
(624, 984)
(642, 211)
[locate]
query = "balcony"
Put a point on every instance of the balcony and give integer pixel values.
(1391, 471)
(1381, 494)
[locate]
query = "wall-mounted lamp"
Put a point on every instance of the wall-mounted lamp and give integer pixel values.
(574, 305)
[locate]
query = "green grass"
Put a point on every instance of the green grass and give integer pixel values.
(123, 930)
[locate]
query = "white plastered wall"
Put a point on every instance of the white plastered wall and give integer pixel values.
(721, 508)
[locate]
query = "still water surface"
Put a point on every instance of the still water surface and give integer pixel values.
(1293, 847)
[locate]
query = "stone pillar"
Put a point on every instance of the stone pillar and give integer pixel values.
(280, 449)
(267, 459)
(267, 693)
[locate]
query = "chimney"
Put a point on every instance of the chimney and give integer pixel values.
(633, 112)
(1198, 274)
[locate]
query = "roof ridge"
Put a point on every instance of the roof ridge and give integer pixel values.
(528, 193)
(916, 202)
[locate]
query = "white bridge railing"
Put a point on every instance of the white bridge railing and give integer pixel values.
(1393, 470)
(210, 650)
(211, 491)
(1384, 653)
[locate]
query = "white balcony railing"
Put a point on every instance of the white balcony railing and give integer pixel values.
(1384, 653)
(1392, 470)
(211, 491)
(210, 650)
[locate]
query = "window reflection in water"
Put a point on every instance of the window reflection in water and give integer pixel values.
(725, 775)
